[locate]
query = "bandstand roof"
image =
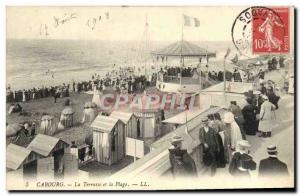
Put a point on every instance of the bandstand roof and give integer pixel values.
(183, 48)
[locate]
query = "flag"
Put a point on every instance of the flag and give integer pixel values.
(191, 21)
(227, 53)
(187, 21)
(197, 22)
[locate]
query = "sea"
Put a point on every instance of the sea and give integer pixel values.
(45, 62)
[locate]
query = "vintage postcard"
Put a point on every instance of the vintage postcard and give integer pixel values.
(150, 98)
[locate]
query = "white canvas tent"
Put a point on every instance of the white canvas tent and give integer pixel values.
(89, 112)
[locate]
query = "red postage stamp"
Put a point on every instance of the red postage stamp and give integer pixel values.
(270, 30)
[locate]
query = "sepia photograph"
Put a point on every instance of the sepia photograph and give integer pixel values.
(113, 98)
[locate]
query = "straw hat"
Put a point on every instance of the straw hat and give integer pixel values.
(243, 143)
(176, 139)
(272, 149)
(257, 92)
(205, 119)
(228, 117)
(265, 97)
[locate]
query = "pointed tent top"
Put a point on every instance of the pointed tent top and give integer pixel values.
(183, 48)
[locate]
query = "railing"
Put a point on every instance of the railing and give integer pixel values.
(184, 80)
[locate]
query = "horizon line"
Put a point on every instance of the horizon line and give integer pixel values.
(116, 40)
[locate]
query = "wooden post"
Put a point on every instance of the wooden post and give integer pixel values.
(224, 75)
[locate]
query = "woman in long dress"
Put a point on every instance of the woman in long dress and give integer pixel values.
(249, 113)
(23, 96)
(235, 132)
(225, 135)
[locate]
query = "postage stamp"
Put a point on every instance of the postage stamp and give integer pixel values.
(261, 29)
(270, 30)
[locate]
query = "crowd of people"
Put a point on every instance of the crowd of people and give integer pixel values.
(224, 141)
(124, 82)
(36, 93)
(124, 79)
(173, 73)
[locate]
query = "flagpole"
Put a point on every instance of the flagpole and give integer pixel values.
(224, 75)
(224, 67)
(181, 60)
(200, 68)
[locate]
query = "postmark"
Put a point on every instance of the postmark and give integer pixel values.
(260, 29)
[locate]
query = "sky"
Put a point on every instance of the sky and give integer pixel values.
(123, 23)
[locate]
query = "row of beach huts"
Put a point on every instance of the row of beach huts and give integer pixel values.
(54, 157)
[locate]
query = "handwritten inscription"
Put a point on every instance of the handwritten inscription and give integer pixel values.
(92, 22)
(65, 18)
(68, 17)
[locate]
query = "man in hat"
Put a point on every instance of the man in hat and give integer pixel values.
(182, 164)
(265, 117)
(272, 166)
(241, 162)
(211, 146)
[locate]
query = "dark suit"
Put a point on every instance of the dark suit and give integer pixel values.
(272, 166)
(210, 153)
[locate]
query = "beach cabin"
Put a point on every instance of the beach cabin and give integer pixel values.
(148, 123)
(130, 121)
(52, 150)
(22, 161)
(108, 139)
